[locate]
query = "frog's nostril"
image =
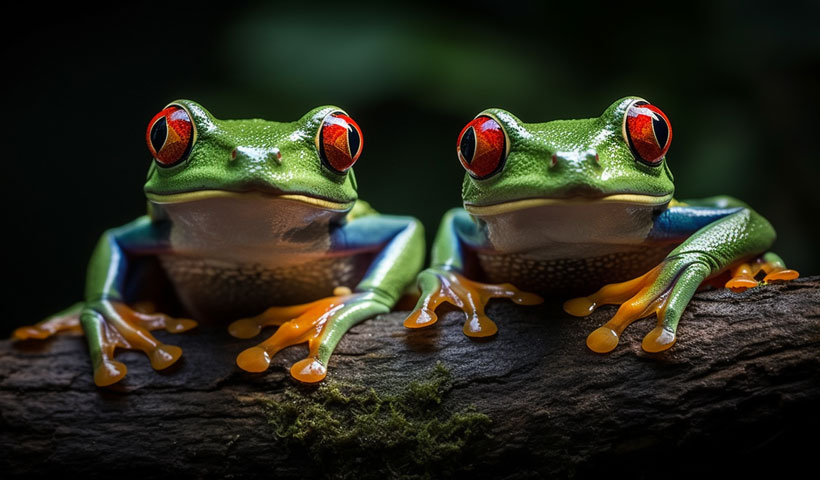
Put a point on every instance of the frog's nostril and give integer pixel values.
(233, 154)
(554, 160)
(275, 155)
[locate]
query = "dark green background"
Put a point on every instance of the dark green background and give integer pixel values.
(738, 80)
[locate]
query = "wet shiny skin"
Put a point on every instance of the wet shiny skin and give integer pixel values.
(574, 206)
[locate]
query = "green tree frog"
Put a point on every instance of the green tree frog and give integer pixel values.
(252, 221)
(565, 207)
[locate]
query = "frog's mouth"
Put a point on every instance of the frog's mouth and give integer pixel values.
(185, 197)
(620, 198)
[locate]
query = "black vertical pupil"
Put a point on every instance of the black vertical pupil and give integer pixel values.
(353, 140)
(467, 145)
(661, 131)
(159, 132)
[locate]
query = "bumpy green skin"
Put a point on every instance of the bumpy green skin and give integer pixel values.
(208, 167)
(557, 161)
(576, 173)
(238, 156)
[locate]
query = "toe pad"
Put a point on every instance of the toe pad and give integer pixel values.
(254, 359)
(309, 370)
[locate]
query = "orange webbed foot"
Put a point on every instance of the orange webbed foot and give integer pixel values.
(663, 291)
(320, 323)
(66, 321)
(770, 266)
(439, 285)
(110, 324)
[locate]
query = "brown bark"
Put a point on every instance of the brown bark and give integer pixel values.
(739, 393)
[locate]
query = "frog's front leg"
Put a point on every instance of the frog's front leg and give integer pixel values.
(445, 282)
(322, 323)
(107, 321)
(719, 236)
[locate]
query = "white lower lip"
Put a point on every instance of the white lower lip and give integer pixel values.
(211, 194)
(623, 198)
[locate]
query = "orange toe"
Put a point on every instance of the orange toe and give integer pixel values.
(309, 370)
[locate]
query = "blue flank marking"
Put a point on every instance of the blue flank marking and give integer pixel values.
(681, 222)
(468, 230)
(143, 235)
(366, 232)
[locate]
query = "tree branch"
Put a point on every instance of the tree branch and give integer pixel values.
(738, 393)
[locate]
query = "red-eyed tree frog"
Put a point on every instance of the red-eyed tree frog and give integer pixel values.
(571, 206)
(252, 221)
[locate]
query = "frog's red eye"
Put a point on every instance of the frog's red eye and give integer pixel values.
(170, 136)
(482, 147)
(339, 142)
(648, 132)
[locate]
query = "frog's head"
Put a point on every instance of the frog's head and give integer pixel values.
(618, 157)
(197, 156)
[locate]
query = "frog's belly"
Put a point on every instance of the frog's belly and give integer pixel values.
(572, 246)
(562, 276)
(220, 290)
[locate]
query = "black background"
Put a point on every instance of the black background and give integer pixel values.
(738, 80)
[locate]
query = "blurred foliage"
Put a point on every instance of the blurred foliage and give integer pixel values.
(737, 79)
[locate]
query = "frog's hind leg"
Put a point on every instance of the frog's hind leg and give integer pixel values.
(717, 234)
(664, 291)
(769, 265)
(399, 243)
(321, 324)
(297, 324)
(273, 316)
(67, 320)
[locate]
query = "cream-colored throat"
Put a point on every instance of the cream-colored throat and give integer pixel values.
(566, 229)
(248, 227)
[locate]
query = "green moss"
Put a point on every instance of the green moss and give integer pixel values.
(351, 431)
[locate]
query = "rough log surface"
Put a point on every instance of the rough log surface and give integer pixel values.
(738, 393)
